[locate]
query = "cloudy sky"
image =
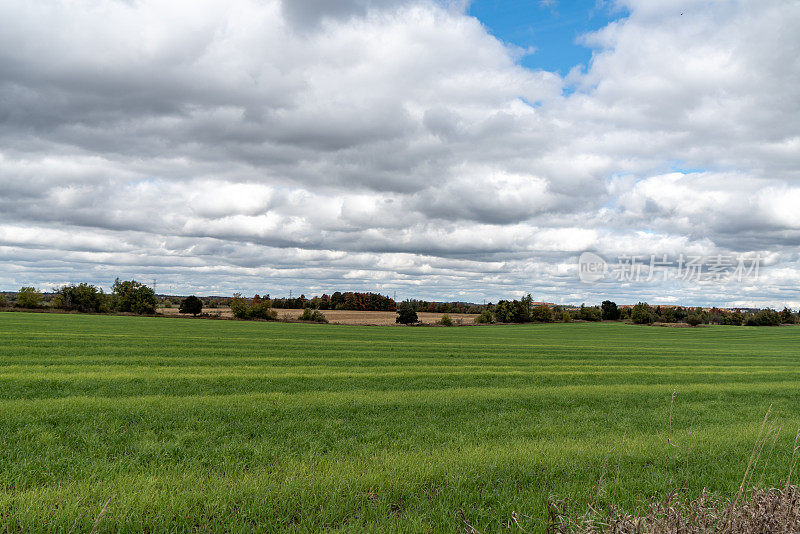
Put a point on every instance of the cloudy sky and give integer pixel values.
(436, 149)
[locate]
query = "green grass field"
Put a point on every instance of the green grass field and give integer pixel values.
(233, 426)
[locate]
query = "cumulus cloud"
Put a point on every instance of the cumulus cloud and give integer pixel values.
(391, 145)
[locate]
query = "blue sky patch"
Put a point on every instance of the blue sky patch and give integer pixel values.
(551, 27)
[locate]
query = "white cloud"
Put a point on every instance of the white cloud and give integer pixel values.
(385, 144)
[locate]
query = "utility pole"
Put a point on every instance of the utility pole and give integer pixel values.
(154, 285)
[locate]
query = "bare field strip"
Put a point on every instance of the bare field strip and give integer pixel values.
(344, 316)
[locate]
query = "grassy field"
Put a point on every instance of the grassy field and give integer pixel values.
(240, 426)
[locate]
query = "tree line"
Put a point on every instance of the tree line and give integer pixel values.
(643, 313)
(130, 296)
(525, 311)
(127, 296)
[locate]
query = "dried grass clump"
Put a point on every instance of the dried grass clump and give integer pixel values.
(774, 511)
(758, 511)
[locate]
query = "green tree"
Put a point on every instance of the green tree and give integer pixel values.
(132, 297)
(765, 317)
(262, 310)
(29, 297)
(406, 314)
(3, 301)
(641, 314)
(513, 311)
(541, 314)
(694, 319)
(787, 317)
(609, 310)
(83, 298)
(446, 320)
(244, 309)
(589, 313)
(191, 304)
(485, 317)
(239, 306)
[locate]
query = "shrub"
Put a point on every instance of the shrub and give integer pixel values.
(83, 298)
(446, 320)
(242, 309)
(314, 316)
(485, 317)
(641, 314)
(406, 314)
(29, 297)
(263, 311)
(133, 297)
(191, 305)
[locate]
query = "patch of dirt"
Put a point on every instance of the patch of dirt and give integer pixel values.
(381, 318)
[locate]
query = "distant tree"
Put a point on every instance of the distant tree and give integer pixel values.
(609, 311)
(765, 317)
(589, 313)
(485, 317)
(446, 320)
(249, 309)
(670, 314)
(641, 314)
(83, 298)
(3, 301)
(541, 314)
(694, 319)
(512, 311)
(29, 297)
(733, 319)
(191, 305)
(239, 306)
(133, 297)
(406, 314)
(263, 311)
(787, 317)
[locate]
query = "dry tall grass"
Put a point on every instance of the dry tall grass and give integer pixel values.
(754, 511)
(773, 511)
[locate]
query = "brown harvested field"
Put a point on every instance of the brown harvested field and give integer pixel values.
(343, 316)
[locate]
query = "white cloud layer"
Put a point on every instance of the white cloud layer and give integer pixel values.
(387, 145)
